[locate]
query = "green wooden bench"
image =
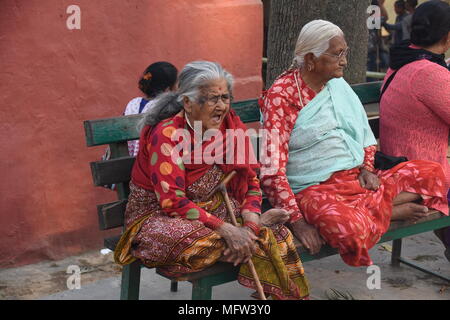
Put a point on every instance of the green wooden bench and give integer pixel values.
(115, 132)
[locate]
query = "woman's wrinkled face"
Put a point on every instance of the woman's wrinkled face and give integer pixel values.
(332, 62)
(212, 106)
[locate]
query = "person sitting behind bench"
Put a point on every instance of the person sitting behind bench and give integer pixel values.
(322, 172)
(172, 224)
(157, 78)
(415, 106)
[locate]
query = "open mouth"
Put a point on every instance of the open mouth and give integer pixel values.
(217, 118)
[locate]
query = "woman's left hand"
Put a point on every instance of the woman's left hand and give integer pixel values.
(232, 257)
(368, 180)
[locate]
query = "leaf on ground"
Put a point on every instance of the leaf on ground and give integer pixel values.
(386, 247)
(87, 269)
(333, 294)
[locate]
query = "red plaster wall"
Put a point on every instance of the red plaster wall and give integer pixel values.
(52, 78)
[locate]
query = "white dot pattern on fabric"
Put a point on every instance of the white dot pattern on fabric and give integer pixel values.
(280, 109)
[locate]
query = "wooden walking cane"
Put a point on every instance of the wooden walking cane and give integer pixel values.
(222, 188)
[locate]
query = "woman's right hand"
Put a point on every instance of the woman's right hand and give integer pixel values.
(240, 243)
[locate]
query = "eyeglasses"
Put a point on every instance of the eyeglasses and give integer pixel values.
(213, 100)
(344, 53)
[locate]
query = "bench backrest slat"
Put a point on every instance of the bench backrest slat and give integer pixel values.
(111, 130)
(247, 110)
(111, 215)
(112, 171)
(368, 92)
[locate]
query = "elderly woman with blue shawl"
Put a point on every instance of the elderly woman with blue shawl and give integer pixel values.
(320, 165)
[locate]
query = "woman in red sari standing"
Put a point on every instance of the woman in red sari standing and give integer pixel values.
(185, 153)
(321, 169)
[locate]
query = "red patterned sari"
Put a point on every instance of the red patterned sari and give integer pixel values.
(348, 217)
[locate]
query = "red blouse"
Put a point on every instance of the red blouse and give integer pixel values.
(157, 169)
(280, 106)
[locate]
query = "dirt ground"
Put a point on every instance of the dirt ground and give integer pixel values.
(45, 278)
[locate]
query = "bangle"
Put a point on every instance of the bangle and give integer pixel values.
(253, 226)
(369, 168)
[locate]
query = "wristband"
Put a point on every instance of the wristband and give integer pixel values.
(369, 168)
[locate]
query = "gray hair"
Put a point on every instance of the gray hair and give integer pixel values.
(194, 76)
(314, 38)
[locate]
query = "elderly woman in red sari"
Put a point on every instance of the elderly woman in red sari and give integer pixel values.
(171, 222)
(321, 168)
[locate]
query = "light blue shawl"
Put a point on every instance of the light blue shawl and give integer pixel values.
(330, 135)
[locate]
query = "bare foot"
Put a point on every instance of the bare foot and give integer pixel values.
(274, 216)
(409, 211)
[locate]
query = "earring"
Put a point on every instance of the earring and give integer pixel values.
(310, 68)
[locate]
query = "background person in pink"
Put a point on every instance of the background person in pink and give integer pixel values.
(415, 103)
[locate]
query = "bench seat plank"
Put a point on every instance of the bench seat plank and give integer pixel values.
(219, 267)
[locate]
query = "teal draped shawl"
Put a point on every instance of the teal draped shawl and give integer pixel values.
(330, 135)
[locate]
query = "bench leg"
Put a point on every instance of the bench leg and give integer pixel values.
(131, 277)
(173, 286)
(201, 290)
(396, 252)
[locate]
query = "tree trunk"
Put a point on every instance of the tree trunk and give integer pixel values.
(287, 17)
